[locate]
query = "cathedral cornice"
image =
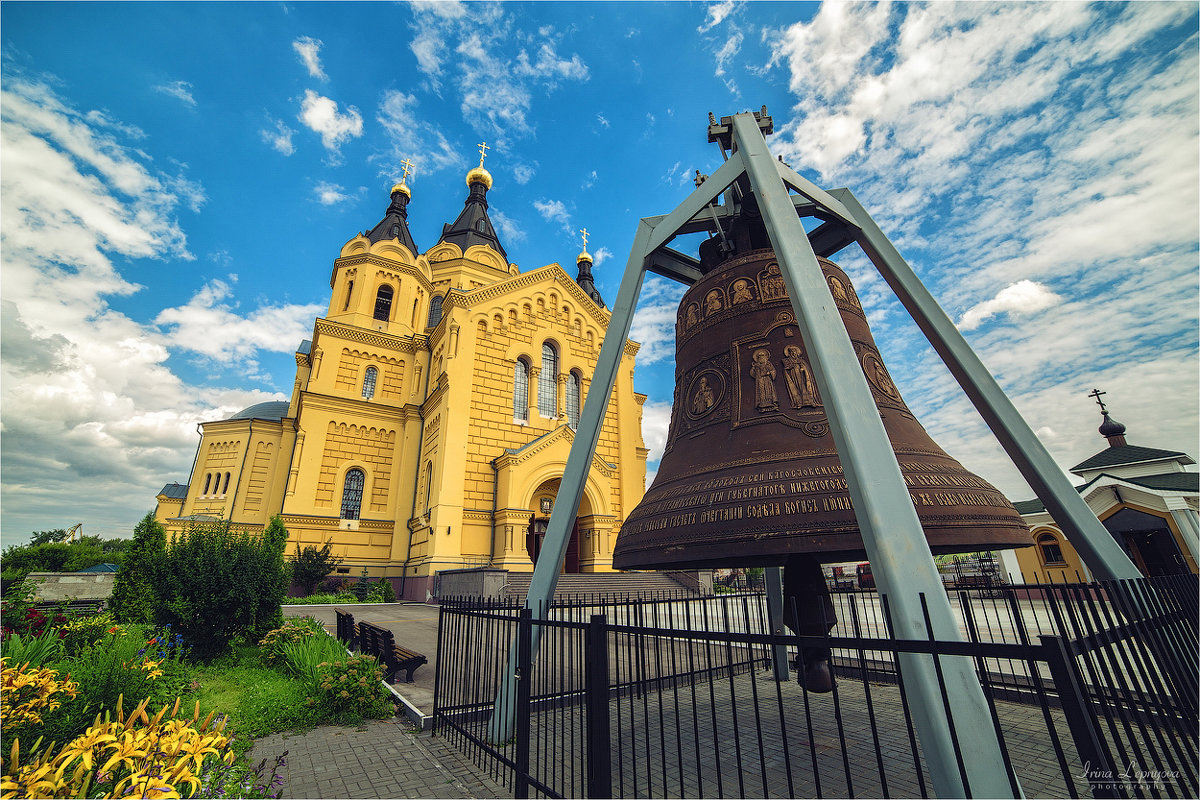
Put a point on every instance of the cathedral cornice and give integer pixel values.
(525, 280)
(374, 259)
(386, 341)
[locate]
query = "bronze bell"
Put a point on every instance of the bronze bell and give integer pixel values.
(750, 474)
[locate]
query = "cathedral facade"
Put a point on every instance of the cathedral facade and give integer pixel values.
(432, 413)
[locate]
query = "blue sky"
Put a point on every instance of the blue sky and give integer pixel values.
(176, 180)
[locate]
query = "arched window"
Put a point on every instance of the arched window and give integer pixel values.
(225, 488)
(521, 391)
(572, 398)
(352, 492)
(349, 292)
(207, 483)
(1050, 548)
(369, 383)
(435, 311)
(548, 382)
(383, 303)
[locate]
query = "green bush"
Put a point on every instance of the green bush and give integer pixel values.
(352, 689)
(133, 595)
(292, 631)
(381, 592)
(320, 599)
(217, 583)
(313, 564)
(306, 658)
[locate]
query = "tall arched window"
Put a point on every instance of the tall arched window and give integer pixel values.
(352, 493)
(369, 382)
(207, 483)
(225, 489)
(435, 311)
(572, 398)
(548, 382)
(383, 303)
(521, 391)
(428, 483)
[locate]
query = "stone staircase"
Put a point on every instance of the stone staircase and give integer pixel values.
(603, 585)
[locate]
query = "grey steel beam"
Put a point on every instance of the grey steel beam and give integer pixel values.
(676, 266)
(1099, 549)
(773, 580)
(895, 541)
(570, 492)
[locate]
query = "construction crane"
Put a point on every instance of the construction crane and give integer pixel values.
(72, 531)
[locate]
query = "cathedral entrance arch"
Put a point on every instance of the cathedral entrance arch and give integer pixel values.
(1148, 542)
(543, 505)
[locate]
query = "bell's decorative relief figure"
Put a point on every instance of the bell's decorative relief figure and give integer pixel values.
(763, 372)
(802, 389)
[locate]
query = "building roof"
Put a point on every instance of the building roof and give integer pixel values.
(1165, 482)
(1129, 454)
(102, 568)
(394, 224)
(473, 225)
(174, 491)
(272, 410)
(305, 347)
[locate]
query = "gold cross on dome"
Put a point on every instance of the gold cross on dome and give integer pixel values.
(409, 168)
(483, 148)
(585, 235)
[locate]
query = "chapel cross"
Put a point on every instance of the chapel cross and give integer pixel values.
(483, 148)
(1096, 394)
(585, 235)
(408, 169)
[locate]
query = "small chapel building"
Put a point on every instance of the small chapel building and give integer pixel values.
(1146, 498)
(432, 413)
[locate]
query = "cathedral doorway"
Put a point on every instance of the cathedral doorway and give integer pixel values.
(543, 502)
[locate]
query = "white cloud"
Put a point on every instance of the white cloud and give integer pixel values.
(589, 181)
(728, 52)
(523, 173)
(555, 211)
(309, 51)
(603, 120)
(321, 115)
(330, 194)
(180, 90)
(716, 14)
(90, 409)
(411, 136)
(280, 139)
(1022, 297)
(601, 255)
(493, 68)
(654, 320)
(210, 325)
(656, 423)
(506, 228)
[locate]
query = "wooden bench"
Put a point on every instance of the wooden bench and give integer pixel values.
(381, 643)
(347, 631)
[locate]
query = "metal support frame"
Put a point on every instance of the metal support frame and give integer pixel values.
(895, 542)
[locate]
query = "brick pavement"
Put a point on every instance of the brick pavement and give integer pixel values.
(381, 758)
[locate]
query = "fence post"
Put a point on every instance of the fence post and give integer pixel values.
(773, 576)
(599, 753)
(1097, 767)
(524, 676)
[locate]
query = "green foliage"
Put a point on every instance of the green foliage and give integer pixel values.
(351, 688)
(43, 537)
(217, 583)
(381, 592)
(292, 631)
(34, 650)
(59, 556)
(133, 596)
(321, 599)
(312, 564)
(258, 700)
(306, 658)
(87, 631)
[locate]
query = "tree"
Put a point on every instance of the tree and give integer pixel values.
(134, 598)
(217, 583)
(312, 564)
(44, 537)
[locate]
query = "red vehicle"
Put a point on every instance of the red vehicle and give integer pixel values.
(865, 579)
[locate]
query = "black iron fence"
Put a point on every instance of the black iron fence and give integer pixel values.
(1092, 690)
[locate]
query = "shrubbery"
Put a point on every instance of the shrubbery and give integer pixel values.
(292, 631)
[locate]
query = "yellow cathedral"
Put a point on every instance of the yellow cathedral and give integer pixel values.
(432, 413)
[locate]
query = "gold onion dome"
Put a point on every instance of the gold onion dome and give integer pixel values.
(401, 187)
(584, 255)
(480, 175)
